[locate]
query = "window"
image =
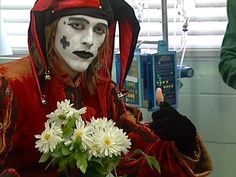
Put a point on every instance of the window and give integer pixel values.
(206, 25)
(14, 22)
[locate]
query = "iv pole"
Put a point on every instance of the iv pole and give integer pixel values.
(164, 21)
(163, 44)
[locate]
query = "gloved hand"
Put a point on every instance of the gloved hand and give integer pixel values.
(170, 125)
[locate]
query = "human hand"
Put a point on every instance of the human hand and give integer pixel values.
(170, 125)
(159, 95)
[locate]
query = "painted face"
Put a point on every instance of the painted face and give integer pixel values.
(78, 38)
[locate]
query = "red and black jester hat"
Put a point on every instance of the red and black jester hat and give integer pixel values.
(45, 11)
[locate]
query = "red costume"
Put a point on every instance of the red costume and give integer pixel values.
(22, 113)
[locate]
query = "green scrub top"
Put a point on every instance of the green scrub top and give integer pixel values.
(227, 64)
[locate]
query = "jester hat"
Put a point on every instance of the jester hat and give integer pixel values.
(46, 11)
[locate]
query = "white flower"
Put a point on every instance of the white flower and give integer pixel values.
(64, 112)
(101, 123)
(49, 139)
(94, 151)
(111, 141)
(66, 132)
(77, 113)
(64, 105)
(82, 110)
(84, 132)
(60, 115)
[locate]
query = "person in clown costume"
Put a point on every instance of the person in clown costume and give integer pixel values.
(71, 46)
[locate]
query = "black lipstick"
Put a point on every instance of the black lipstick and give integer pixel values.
(83, 54)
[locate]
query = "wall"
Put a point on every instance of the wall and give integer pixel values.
(7, 59)
(211, 106)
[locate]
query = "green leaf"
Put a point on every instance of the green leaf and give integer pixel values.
(152, 162)
(81, 162)
(71, 122)
(65, 150)
(71, 161)
(62, 116)
(44, 157)
(102, 170)
(63, 164)
(57, 152)
(67, 132)
(110, 162)
(115, 159)
(77, 144)
(96, 160)
(139, 151)
(68, 128)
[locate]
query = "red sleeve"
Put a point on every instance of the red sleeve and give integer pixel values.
(9, 173)
(7, 118)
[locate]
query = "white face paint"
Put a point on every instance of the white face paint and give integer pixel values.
(78, 38)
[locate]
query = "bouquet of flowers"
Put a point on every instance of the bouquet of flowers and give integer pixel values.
(68, 141)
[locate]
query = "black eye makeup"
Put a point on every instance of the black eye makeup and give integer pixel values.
(80, 23)
(77, 23)
(100, 28)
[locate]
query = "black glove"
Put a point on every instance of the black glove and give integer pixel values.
(170, 125)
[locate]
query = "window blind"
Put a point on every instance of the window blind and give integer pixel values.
(206, 25)
(15, 17)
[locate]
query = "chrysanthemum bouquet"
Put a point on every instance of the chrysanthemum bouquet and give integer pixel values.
(92, 147)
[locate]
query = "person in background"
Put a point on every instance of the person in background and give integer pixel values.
(71, 46)
(227, 64)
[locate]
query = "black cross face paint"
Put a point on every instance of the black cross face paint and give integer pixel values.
(78, 38)
(64, 42)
